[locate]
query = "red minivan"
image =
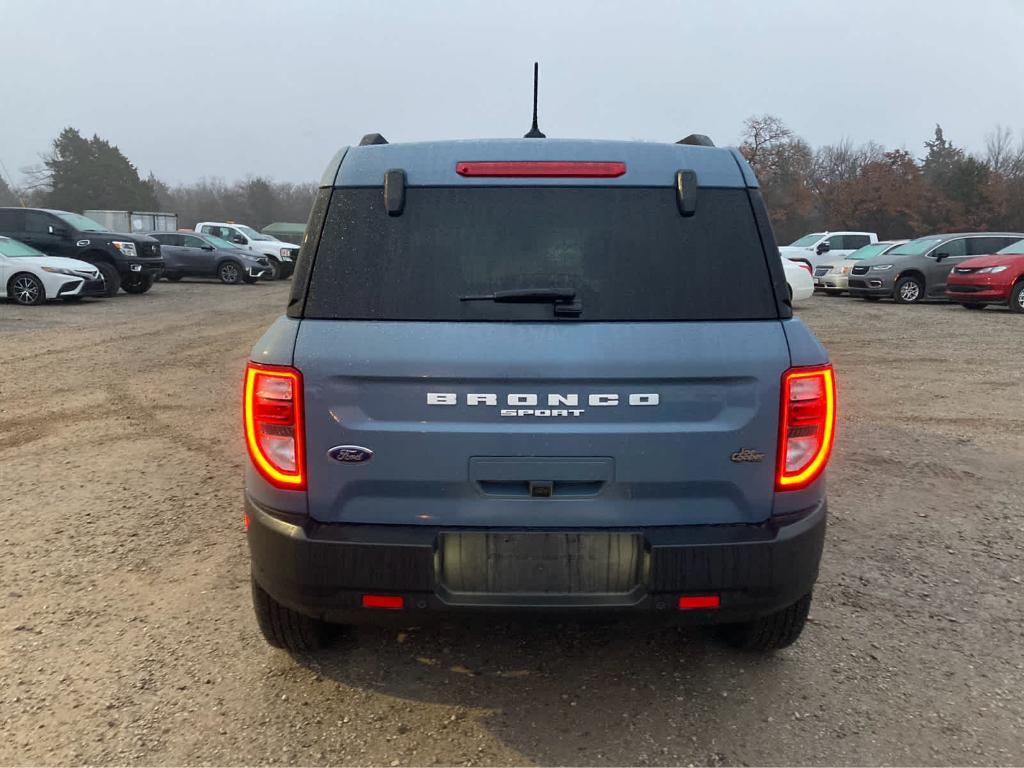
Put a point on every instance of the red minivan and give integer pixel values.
(996, 279)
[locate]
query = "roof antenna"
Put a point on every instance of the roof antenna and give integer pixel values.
(534, 130)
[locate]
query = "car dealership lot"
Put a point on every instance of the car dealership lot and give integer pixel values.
(126, 632)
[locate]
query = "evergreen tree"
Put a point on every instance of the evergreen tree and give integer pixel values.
(93, 173)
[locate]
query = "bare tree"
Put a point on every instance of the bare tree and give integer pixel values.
(999, 150)
(760, 134)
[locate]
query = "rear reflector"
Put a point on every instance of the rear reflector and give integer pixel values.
(389, 602)
(272, 411)
(806, 426)
(547, 168)
(689, 602)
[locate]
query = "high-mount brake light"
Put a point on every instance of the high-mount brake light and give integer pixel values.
(272, 413)
(806, 426)
(542, 169)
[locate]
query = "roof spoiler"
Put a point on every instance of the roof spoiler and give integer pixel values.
(697, 140)
(372, 138)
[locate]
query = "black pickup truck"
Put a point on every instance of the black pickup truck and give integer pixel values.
(131, 262)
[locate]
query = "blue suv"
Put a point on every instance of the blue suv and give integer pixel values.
(537, 375)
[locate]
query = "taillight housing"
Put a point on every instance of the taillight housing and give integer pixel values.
(807, 426)
(272, 412)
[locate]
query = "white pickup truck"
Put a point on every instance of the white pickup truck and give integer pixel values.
(821, 248)
(282, 255)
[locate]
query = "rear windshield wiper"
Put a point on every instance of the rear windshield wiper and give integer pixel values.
(525, 296)
(563, 299)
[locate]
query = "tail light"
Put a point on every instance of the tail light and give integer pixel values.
(806, 266)
(272, 408)
(806, 427)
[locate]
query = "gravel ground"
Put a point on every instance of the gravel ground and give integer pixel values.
(126, 633)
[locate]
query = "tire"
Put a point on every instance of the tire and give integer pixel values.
(172, 278)
(230, 272)
(1017, 298)
(770, 633)
(909, 290)
(275, 270)
(111, 278)
(137, 284)
(249, 279)
(284, 628)
(976, 305)
(26, 289)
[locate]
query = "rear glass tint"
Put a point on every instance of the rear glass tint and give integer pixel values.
(625, 251)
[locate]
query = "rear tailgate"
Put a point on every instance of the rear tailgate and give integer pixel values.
(651, 424)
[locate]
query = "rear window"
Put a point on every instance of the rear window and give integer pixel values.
(625, 251)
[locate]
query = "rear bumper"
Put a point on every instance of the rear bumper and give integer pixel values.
(324, 570)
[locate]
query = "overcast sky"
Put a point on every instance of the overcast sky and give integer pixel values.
(228, 89)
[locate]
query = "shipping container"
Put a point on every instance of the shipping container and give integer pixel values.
(135, 221)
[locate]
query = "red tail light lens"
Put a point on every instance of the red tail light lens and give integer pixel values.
(806, 266)
(807, 425)
(272, 409)
(545, 168)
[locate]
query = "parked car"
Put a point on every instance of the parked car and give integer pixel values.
(191, 254)
(834, 278)
(996, 279)
(799, 280)
(820, 248)
(282, 255)
(917, 270)
(538, 394)
(28, 276)
(131, 262)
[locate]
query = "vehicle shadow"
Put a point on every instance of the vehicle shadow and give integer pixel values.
(562, 693)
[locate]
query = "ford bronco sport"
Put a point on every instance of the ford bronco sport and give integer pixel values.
(537, 375)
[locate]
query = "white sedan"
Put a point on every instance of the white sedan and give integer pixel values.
(799, 278)
(28, 276)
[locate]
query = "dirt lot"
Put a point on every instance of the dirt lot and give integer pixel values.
(126, 634)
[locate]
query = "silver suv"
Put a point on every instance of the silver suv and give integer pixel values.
(917, 270)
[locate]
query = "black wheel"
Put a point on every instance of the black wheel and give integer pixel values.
(137, 284)
(1017, 298)
(909, 290)
(871, 298)
(111, 278)
(283, 627)
(976, 305)
(172, 278)
(275, 270)
(772, 632)
(230, 273)
(26, 289)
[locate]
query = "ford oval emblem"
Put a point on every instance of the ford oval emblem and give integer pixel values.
(350, 454)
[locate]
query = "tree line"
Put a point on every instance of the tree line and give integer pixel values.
(79, 174)
(888, 191)
(835, 186)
